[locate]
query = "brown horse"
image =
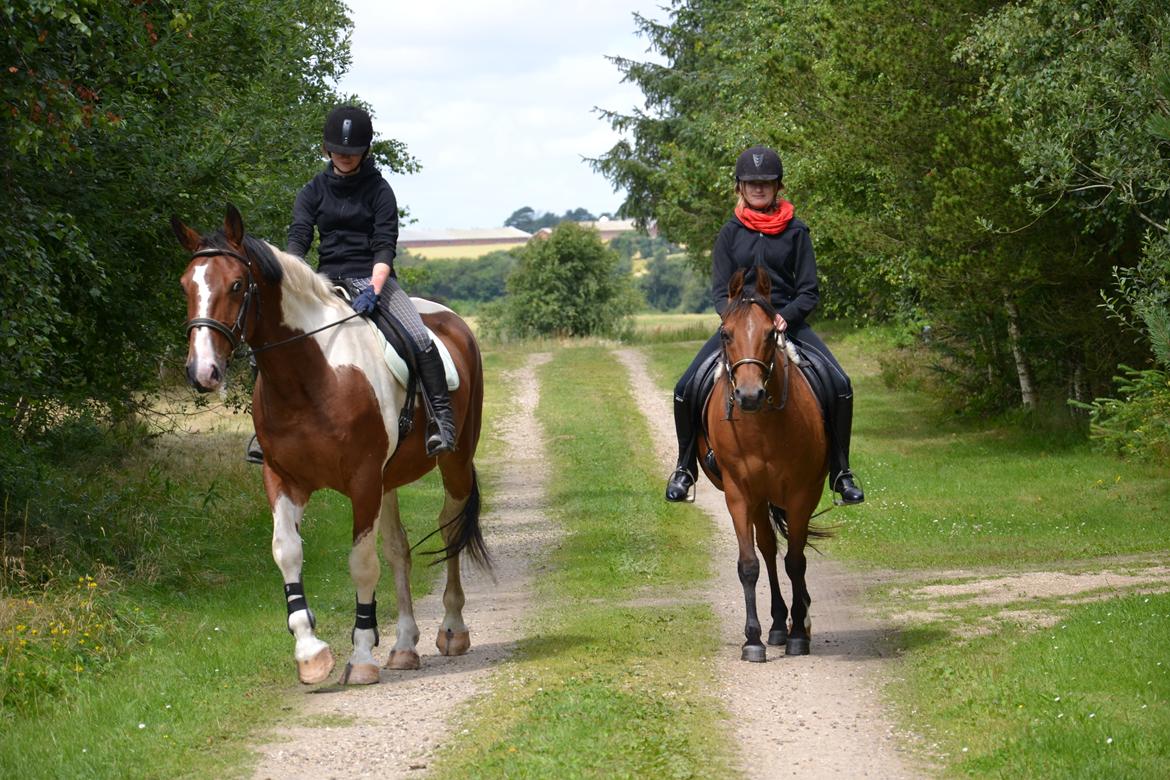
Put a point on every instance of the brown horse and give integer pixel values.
(771, 459)
(326, 410)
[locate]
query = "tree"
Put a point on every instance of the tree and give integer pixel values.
(119, 114)
(565, 285)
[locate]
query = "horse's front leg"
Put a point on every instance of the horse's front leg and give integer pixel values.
(795, 564)
(766, 541)
(748, 568)
(404, 654)
(364, 569)
(313, 656)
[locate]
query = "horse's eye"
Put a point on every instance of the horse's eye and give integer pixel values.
(239, 285)
(724, 335)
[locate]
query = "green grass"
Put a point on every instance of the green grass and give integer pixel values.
(602, 686)
(190, 618)
(944, 492)
(1089, 697)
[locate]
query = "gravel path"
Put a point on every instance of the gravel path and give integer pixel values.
(817, 715)
(392, 729)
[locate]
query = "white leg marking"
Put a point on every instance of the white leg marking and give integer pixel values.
(289, 557)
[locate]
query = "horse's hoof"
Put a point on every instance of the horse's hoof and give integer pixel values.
(796, 646)
(777, 637)
(359, 674)
(403, 660)
(757, 654)
(453, 642)
(317, 668)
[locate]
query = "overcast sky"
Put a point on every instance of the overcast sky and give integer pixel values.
(495, 99)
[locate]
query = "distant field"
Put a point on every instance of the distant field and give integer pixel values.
(657, 327)
(460, 252)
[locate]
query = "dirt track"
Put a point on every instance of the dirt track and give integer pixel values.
(817, 715)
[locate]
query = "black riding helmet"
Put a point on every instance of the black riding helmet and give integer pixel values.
(348, 130)
(759, 163)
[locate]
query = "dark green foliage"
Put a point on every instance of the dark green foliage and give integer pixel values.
(980, 167)
(463, 284)
(118, 115)
(567, 284)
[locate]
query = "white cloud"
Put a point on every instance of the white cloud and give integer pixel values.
(496, 100)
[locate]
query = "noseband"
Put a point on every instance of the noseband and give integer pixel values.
(235, 333)
(777, 341)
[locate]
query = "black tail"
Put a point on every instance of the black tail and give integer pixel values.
(780, 523)
(468, 535)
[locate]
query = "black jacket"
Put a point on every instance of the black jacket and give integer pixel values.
(788, 256)
(356, 217)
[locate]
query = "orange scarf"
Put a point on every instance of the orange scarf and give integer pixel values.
(772, 223)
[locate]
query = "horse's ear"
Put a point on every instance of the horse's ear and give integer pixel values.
(735, 286)
(763, 283)
(233, 225)
(188, 238)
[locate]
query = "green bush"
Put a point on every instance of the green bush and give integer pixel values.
(1137, 423)
(565, 285)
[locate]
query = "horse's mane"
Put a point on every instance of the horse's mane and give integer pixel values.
(292, 273)
(745, 300)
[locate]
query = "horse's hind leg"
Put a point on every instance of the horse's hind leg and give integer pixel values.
(766, 541)
(404, 654)
(454, 637)
(313, 656)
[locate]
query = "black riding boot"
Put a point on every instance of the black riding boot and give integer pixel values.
(841, 479)
(682, 480)
(441, 425)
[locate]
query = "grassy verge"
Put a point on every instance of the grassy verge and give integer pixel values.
(604, 686)
(1088, 697)
(166, 660)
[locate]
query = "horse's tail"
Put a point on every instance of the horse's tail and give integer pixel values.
(468, 535)
(780, 523)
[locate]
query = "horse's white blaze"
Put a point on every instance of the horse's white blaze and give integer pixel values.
(364, 569)
(202, 346)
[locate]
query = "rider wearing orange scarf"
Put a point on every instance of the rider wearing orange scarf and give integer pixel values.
(766, 236)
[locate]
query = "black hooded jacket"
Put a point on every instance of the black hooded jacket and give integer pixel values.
(788, 256)
(356, 217)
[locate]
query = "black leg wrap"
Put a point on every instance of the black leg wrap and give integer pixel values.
(294, 596)
(367, 617)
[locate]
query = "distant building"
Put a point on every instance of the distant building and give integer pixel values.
(470, 243)
(610, 228)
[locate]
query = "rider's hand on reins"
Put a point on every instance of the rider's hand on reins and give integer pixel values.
(366, 301)
(779, 323)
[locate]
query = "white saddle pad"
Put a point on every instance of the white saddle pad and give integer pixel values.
(398, 366)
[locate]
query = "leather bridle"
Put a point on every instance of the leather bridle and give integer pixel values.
(777, 339)
(234, 333)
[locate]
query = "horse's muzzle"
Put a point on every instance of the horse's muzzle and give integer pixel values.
(750, 400)
(204, 378)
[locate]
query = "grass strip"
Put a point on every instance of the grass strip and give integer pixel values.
(606, 685)
(1088, 697)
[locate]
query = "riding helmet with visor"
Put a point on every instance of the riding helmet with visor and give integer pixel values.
(759, 163)
(348, 130)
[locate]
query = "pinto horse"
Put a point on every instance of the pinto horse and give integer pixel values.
(770, 461)
(326, 408)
